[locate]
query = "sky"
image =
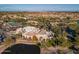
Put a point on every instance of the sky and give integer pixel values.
(39, 7)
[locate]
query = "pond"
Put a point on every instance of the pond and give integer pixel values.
(22, 49)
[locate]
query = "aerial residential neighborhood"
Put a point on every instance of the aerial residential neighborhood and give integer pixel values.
(40, 32)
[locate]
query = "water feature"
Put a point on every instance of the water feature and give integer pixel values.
(22, 49)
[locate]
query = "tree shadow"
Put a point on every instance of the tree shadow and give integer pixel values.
(22, 49)
(71, 34)
(74, 49)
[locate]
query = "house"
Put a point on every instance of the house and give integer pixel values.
(29, 32)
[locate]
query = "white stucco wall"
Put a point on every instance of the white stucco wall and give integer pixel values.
(33, 31)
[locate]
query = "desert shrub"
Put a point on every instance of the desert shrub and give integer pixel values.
(8, 41)
(66, 43)
(50, 42)
(76, 41)
(63, 41)
(38, 44)
(43, 44)
(47, 43)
